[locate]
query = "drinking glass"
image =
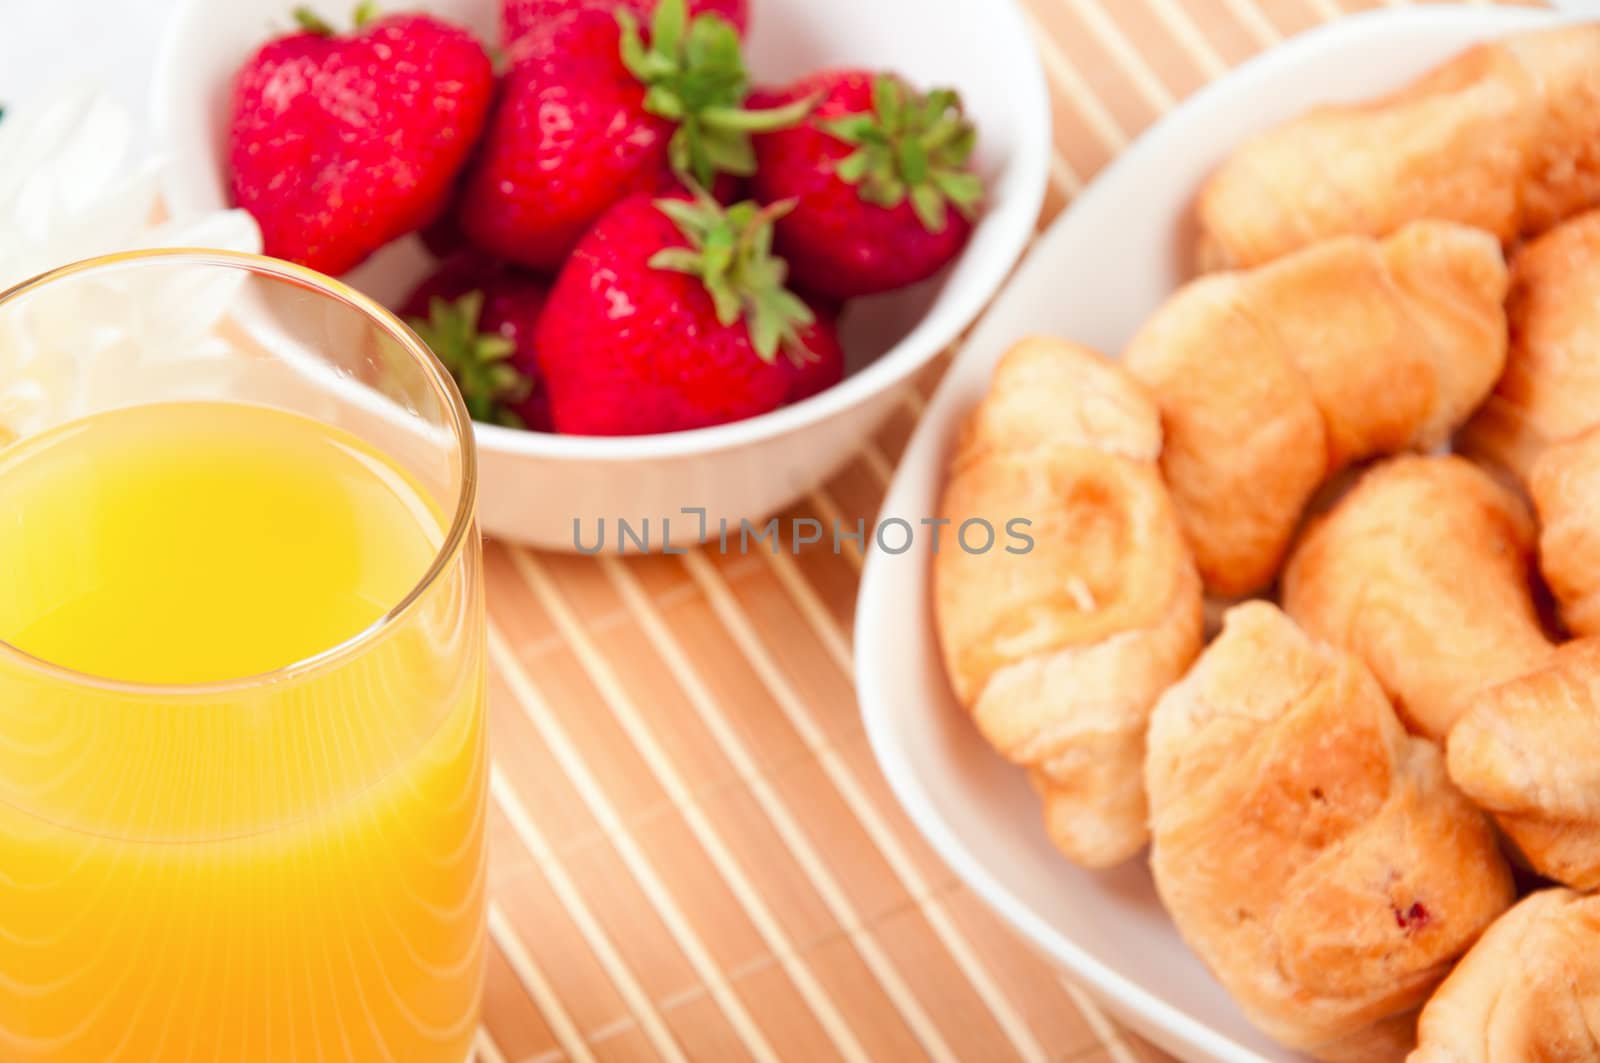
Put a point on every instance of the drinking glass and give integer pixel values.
(204, 857)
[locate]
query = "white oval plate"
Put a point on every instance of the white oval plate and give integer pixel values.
(1103, 267)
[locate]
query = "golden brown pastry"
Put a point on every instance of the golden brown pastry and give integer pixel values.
(1422, 571)
(1550, 390)
(1541, 427)
(1528, 992)
(1565, 485)
(1528, 753)
(1315, 856)
(1061, 652)
(1270, 381)
(1504, 137)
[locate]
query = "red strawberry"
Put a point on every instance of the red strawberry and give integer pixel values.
(816, 374)
(480, 317)
(338, 144)
(589, 115)
(672, 314)
(520, 17)
(879, 175)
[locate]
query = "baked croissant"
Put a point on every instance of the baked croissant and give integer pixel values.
(1315, 857)
(1565, 485)
(1422, 570)
(1550, 390)
(1270, 381)
(1539, 425)
(1528, 992)
(1528, 753)
(1061, 652)
(1504, 137)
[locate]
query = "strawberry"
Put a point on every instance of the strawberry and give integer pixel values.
(672, 314)
(879, 176)
(338, 144)
(589, 114)
(816, 374)
(481, 317)
(521, 17)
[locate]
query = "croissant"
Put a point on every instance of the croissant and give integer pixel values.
(1422, 571)
(1315, 857)
(1550, 391)
(1565, 485)
(1528, 753)
(1504, 137)
(1061, 652)
(1270, 381)
(1541, 426)
(1528, 991)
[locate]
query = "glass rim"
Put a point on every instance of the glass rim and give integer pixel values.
(439, 380)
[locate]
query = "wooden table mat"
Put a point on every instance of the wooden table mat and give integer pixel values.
(694, 855)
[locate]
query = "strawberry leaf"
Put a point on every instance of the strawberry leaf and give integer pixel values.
(687, 216)
(730, 251)
(730, 153)
(479, 361)
(883, 190)
(765, 334)
(910, 147)
(694, 75)
(964, 190)
(664, 103)
(686, 155)
(855, 129)
(640, 61)
(676, 260)
(913, 161)
(666, 29)
(852, 169)
(729, 307)
(312, 22)
(712, 50)
(735, 119)
(886, 101)
(929, 204)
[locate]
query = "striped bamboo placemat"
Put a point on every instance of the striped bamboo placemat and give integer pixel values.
(694, 856)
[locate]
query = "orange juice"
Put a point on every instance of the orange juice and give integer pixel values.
(242, 775)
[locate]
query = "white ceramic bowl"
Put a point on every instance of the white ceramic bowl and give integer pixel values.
(1095, 276)
(536, 486)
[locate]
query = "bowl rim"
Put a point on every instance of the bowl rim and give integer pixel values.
(1027, 170)
(878, 695)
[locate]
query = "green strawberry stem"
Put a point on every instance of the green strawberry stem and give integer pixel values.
(730, 252)
(489, 384)
(911, 146)
(695, 76)
(311, 22)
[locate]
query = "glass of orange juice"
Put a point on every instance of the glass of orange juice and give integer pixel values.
(242, 767)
